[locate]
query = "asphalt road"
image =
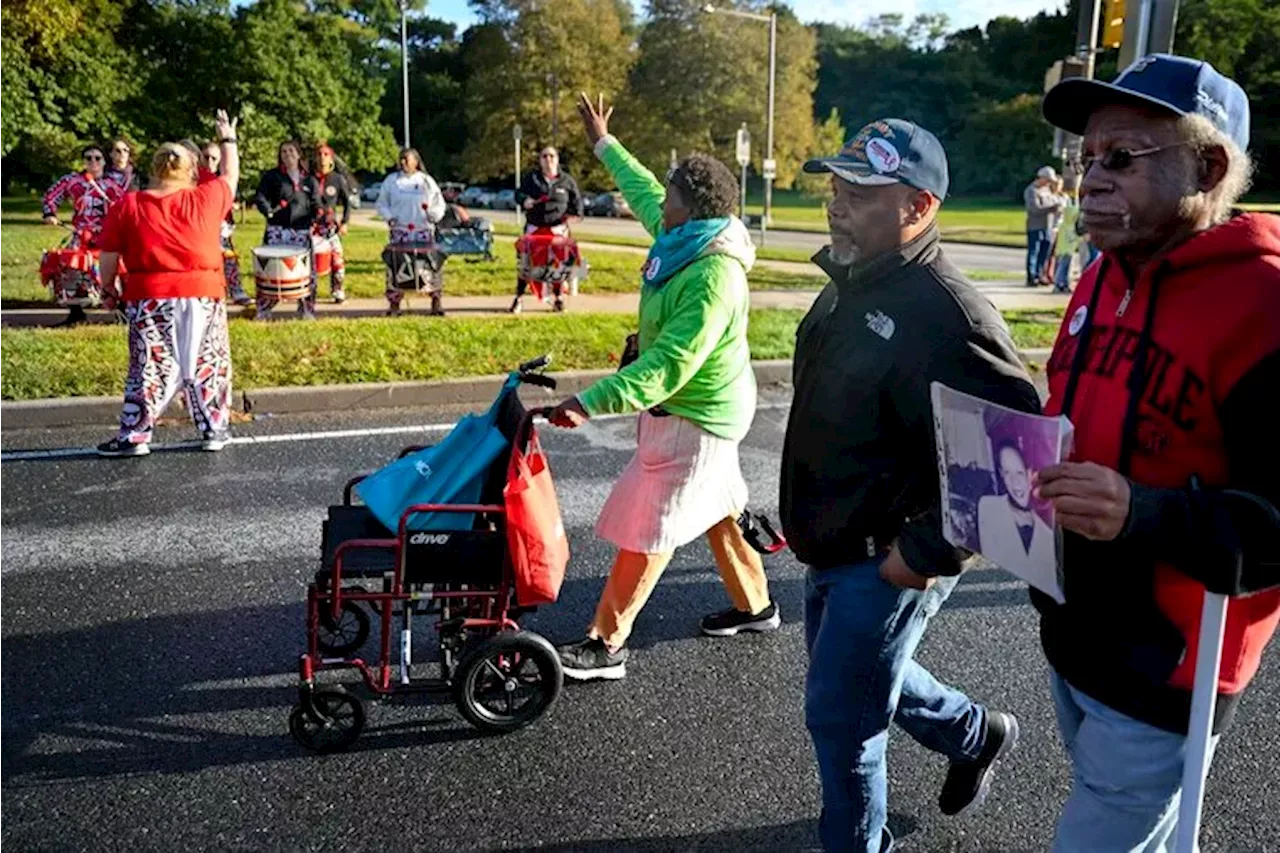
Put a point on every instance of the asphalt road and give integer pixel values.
(153, 618)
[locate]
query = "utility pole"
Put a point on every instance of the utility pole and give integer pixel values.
(516, 133)
(769, 166)
(554, 83)
(404, 65)
(1149, 27)
(1087, 34)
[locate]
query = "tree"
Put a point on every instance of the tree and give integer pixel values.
(699, 77)
(516, 61)
(316, 85)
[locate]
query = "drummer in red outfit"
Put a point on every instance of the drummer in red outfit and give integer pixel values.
(91, 194)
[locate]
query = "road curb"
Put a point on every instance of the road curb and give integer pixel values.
(476, 390)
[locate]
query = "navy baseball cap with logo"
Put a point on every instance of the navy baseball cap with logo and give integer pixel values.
(1179, 84)
(890, 151)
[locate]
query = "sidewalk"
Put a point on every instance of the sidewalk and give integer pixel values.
(1006, 296)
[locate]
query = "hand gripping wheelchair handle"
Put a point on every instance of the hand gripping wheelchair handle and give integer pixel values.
(756, 528)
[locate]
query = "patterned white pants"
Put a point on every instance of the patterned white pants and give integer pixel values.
(176, 343)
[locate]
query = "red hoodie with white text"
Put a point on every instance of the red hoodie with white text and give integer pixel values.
(1167, 379)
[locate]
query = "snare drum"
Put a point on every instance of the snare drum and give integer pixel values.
(72, 276)
(414, 267)
(546, 257)
(282, 272)
(322, 252)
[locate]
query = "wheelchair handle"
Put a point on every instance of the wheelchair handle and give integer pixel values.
(539, 380)
(534, 364)
(756, 536)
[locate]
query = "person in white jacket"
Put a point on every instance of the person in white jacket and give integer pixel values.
(411, 203)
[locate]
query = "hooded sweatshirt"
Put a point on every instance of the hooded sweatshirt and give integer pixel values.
(694, 360)
(1167, 378)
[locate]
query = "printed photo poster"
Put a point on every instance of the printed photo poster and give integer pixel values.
(987, 459)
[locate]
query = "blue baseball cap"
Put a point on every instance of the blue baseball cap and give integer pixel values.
(890, 151)
(1182, 85)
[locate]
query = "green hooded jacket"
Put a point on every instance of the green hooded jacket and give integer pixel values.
(694, 360)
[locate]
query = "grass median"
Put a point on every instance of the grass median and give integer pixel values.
(91, 360)
(24, 238)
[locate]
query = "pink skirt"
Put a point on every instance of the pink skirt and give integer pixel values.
(680, 483)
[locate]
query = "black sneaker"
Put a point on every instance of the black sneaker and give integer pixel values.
(967, 782)
(729, 622)
(589, 659)
(115, 447)
(215, 441)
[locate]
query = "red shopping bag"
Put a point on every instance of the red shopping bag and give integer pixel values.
(536, 539)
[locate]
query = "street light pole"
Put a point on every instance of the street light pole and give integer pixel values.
(769, 166)
(404, 67)
(768, 142)
(554, 83)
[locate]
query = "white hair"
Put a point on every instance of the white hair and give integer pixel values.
(1199, 134)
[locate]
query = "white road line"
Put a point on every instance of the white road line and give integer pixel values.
(326, 435)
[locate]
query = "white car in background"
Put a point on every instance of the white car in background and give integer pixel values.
(370, 193)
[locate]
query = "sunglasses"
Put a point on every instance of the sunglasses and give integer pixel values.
(1118, 159)
(91, 158)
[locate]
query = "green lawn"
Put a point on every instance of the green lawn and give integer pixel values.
(91, 360)
(22, 238)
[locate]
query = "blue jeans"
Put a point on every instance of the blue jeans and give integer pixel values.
(1126, 778)
(861, 634)
(1038, 247)
(1062, 275)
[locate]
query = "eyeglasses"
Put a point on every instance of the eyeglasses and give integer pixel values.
(92, 158)
(1118, 159)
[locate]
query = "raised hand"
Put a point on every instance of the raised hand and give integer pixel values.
(225, 127)
(595, 117)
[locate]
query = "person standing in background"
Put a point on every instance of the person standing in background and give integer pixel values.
(287, 197)
(1041, 202)
(334, 192)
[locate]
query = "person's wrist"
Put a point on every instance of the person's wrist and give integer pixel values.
(228, 140)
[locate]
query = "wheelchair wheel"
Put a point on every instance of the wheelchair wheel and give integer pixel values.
(347, 633)
(507, 681)
(341, 719)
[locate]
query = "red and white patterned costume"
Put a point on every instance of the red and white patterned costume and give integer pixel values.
(90, 199)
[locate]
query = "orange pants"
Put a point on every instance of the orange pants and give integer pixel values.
(633, 577)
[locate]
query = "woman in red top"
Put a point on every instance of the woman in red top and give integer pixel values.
(169, 238)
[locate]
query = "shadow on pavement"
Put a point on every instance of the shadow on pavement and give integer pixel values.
(795, 837)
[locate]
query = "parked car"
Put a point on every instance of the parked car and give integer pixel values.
(611, 204)
(471, 196)
(505, 200)
(370, 193)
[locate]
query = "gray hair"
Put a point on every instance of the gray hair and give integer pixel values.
(1199, 134)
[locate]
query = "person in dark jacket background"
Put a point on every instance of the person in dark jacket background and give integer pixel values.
(332, 191)
(860, 497)
(548, 197)
(287, 197)
(1167, 363)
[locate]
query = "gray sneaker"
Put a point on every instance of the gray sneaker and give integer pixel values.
(215, 441)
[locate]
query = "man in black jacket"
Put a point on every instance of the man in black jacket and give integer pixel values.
(860, 496)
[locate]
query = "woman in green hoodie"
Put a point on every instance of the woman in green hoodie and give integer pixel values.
(694, 388)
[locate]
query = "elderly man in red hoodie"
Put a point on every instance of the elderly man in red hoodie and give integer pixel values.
(1168, 356)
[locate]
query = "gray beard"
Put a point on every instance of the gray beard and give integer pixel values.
(844, 257)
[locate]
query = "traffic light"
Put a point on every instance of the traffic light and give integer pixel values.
(1113, 23)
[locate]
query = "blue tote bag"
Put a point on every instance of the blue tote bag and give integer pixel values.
(453, 471)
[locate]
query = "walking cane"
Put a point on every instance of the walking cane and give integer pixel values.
(1204, 696)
